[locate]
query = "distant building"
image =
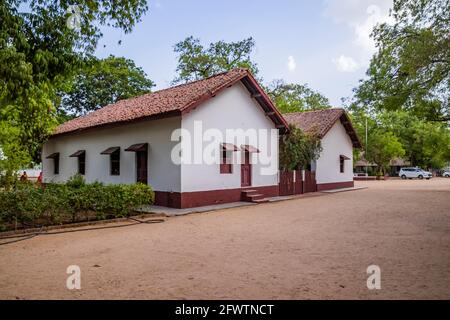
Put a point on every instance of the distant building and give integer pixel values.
(394, 166)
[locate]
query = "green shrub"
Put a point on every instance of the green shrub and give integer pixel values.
(77, 181)
(57, 203)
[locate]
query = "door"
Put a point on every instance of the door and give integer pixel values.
(409, 173)
(310, 181)
(286, 186)
(141, 166)
(246, 171)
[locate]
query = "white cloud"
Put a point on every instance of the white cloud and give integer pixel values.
(291, 64)
(363, 30)
(346, 64)
(361, 16)
(158, 4)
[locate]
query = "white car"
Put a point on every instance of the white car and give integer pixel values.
(446, 174)
(410, 173)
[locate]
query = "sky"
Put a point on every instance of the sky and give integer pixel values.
(324, 43)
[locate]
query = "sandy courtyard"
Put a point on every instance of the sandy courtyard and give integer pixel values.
(311, 248)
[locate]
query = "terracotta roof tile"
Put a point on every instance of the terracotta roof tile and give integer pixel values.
(169, 100)
(317, 122)
(320, 122)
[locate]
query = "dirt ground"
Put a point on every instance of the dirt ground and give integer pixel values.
(311, 248)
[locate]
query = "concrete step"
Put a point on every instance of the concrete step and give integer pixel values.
(256, 196)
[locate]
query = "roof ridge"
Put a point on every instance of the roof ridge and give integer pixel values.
(310, 111)
(199, 80)
(191, 82)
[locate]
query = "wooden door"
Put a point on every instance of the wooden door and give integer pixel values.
(141, 166)
(246, 171)
(286, 187)
(310, 181)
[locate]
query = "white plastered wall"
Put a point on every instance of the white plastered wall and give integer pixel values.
(231, 109)
(163, 174)
(335, 143)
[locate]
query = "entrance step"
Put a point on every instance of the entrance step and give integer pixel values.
(252, 196)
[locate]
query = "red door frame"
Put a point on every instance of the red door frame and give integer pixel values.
(246, 170)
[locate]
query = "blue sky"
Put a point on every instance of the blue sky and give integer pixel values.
(324, 43)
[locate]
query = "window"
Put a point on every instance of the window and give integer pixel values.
(55, 157)
(114, 160)
(82, 163)
(226, 166)
(342, 164)
(56, 164)
(81, 159)
(115, 163)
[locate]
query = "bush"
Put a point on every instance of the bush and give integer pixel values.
(28, 204)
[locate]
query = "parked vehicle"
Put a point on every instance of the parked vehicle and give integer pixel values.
(446, 174)
(411, 173)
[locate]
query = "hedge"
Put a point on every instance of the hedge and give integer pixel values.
(31, 205)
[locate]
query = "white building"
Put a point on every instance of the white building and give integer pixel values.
(137, 140)
(334, 168)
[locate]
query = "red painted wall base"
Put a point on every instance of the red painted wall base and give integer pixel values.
(335, 185)
(206, 198)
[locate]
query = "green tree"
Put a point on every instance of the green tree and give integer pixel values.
(411, 69)
(426, 143)
(102, 82)
(290, 97)
(13, 156)
(298, 149)
(384, 146)
(196, 62)
(39, 51)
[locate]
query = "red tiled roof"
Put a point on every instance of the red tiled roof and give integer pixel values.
(320, 122)
(173, 100)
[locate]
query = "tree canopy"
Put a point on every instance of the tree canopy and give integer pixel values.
(384, 146)
(411, 68)
(196, 62)
(39, 51)
(102, 82)
(291, 97)
(425, 143)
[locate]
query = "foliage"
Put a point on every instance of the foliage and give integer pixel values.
(384, 146)
(290, 97)
(298, 149)
(77, 181)
(102, 82)
(39, 52)
(426, 143)
(196, 62)
(29, 204)
(13, 157)
(411, 69)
